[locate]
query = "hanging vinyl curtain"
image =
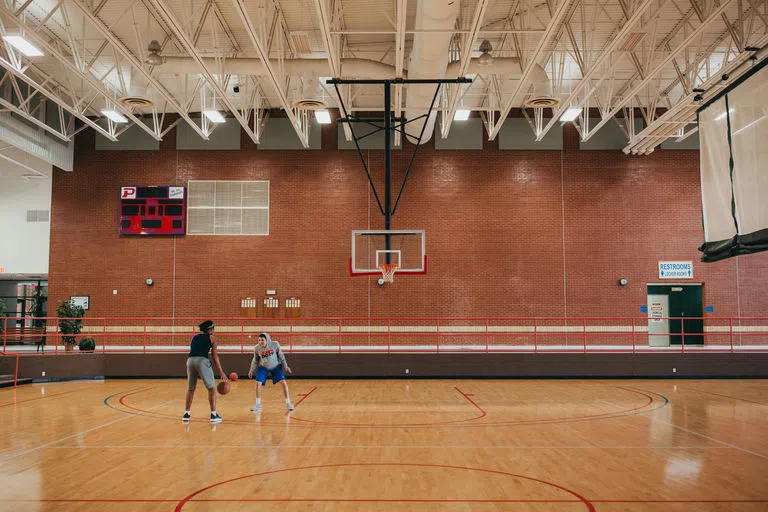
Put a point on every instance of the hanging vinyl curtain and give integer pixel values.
(734, 168)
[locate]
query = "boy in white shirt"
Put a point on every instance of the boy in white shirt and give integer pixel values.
(268, 357)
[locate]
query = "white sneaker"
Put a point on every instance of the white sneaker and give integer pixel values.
(256, 408)
(289, 406)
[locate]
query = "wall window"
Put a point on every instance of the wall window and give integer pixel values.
(228, 208)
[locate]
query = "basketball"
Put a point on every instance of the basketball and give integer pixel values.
(223, 387)
(233, 376)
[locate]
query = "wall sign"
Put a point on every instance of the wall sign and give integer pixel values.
(81, 301)
(675, 270)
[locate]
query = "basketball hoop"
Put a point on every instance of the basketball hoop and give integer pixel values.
(388, 271)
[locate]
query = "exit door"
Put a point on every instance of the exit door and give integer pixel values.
(685, 311)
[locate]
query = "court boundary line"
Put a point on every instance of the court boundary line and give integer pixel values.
(630, 412)
(397, 447)
(352, 500)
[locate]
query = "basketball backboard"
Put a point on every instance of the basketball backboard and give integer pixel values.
(374, 249)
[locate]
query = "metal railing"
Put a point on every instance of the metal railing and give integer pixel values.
(418, 334)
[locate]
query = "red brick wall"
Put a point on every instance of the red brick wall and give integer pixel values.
(509, 233)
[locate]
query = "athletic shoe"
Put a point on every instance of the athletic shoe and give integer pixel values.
(185, 418)
(215, 418)
(289, 406)
(256, 408)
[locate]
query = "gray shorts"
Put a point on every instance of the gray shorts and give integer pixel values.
(199, 367)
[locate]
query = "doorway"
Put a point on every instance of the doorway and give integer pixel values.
(684, 307)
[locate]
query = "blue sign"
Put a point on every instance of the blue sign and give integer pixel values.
(710, 309)
(643, 309)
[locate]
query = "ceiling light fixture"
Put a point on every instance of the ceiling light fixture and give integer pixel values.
(214, 116)
(24, 46)
(486, 59)
(570, 114)
(323, 116)
(461, 115)
(153, 57)
(115, 116)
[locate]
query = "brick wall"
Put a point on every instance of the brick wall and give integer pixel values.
(512, 233)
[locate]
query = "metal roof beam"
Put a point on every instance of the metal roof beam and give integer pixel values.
(607, 52)
(466, 57)
(299, 125)
(653, 74)
(138, 65)
(552, 30)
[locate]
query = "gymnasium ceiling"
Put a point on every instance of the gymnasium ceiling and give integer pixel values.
(623, 59)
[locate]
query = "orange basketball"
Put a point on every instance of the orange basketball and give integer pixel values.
(233, 376)
(223, 387)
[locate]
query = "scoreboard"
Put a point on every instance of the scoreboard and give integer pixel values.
(152, 210)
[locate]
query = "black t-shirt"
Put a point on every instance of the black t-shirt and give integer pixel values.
(200, 345)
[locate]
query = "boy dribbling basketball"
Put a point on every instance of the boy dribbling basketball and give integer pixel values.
(268, 358)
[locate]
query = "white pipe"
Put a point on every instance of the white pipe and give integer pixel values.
(360, 68)
(429, 58)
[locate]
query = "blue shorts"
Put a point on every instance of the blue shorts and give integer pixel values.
(277, 374)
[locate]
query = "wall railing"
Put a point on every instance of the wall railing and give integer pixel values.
(388, 335)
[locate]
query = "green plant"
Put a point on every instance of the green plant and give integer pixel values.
(69, 323)
(87, 344)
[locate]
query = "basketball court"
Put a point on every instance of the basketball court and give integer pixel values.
(607, 445)
(514, 251)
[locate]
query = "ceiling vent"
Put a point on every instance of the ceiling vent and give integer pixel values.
(136, 102)
(310, 104)
(542, 102)
(632, 40)
(301, 42)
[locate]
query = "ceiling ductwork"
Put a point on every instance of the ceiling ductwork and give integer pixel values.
(360, 68)
(310, 95)
(506, 67)
(428, 59)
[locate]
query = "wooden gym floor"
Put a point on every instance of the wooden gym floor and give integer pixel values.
(427, 445)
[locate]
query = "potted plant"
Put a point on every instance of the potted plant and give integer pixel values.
(87, 345)
(69, 323)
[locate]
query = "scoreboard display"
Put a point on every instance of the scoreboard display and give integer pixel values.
(152, 210)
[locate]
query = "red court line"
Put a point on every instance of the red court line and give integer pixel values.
(46, 396)
(473, 403)
(431, 424)
(303, 397)
(360, 500)
(483, 414)
(580, 498)
(724, 396)
(606, 415)
(679, 501)
(133, 393)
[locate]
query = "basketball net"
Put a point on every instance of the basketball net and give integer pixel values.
(388, 271)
